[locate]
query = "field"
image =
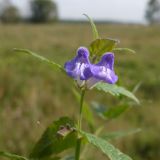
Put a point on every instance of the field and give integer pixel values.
(32, 95)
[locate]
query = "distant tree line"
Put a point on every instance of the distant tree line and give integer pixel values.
(153, 11)
(42, 11)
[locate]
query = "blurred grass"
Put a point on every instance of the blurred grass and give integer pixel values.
(32, 95)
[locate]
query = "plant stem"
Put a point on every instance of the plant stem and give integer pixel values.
(81, 110)
(78, 145)
(78, 148)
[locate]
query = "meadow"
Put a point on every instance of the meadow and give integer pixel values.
(32, 95)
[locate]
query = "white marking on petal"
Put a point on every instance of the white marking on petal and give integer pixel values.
(76, 70)
(105, 72)
(82, 68)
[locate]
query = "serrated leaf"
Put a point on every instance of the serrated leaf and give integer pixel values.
(107, 148)
(87, 112)
(111, 112)
(116, 90)
(12, 156)
(123, 50)
(41, 58)
(100, 46)
(119, 134)
(94, 29)
(59, 136)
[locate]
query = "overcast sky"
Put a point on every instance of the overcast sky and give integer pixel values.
(121, 10)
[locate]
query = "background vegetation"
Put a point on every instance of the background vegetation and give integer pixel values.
(153, 11)
(32, 95)
(40, 12)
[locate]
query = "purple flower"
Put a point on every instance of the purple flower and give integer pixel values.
(89, 74)
(79, 67)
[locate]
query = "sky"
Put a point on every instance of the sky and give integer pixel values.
(118, 10)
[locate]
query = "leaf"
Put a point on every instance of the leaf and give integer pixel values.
(116, 90)
(12, 156)
(111, 112)
(100, 46)
(87, 112)
(99, 109)
(136, 88)
(41, 58)
(94, 29)
(116, 111)
(123, 50)
(107, 148)
(59, 136)
(119, 134)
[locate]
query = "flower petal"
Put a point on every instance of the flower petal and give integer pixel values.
(107, 60)
(104, 70)
(79, 67)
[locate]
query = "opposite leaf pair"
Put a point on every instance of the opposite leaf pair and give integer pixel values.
(87, 74)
